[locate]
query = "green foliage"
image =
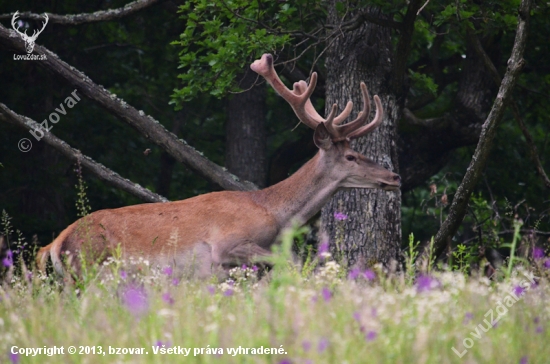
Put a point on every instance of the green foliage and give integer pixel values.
(19, 249)
(423, 83)
(516, 237)
(305, 318)
(410, 257)
(220, 37)
(282, 259)
(461, 258)
(7, 228)
(82, 202)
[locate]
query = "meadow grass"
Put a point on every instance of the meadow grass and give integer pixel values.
(326, 316)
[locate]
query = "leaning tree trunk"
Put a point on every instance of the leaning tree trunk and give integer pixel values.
(246, 132)
(371, 233)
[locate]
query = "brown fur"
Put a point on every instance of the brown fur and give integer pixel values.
(224, 228)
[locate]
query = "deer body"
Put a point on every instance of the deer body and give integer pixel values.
(222, 229)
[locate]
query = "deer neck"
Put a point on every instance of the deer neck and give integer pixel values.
(302, 195)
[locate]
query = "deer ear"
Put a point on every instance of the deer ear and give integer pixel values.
(322, 138)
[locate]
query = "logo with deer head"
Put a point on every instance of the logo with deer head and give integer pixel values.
(29, 40)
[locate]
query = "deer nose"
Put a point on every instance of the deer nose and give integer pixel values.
(397, 179)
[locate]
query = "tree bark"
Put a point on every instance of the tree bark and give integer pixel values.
(246, 133)
(372, 232)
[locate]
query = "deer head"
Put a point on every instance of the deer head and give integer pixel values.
(331, 136)
(29, 40)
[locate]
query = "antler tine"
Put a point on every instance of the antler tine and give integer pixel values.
(373, 124)
(296, 98)
(37, 32)
(344, 114)
(361, 117)
(331, 116)
(13, 19)
(300, 86)
(44, 23)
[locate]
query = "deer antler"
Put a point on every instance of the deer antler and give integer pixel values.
(299, 100)
(13, 19)
(35, 33)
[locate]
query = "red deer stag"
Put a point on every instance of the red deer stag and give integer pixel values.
(220, 229)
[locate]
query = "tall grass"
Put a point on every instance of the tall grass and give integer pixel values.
(324, 315)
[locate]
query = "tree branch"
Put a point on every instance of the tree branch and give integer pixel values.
(479, 159)
(404, 47)
(513, 105)
(74, 19)
(99, 170)
(412, 119)
(146, 125)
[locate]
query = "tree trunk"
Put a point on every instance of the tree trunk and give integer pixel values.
(246, 133)
(372, 231)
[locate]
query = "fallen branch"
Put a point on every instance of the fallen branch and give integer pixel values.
(74, 19)
(98, 169)
(145, 124)
(479, 159)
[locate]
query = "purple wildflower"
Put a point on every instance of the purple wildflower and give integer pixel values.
(254, 268)
(539, 329)
(285, 361)
(357, 316)
(135, 300)
(370, 336)
(538, 253)
(168, 271)
(536, 320)
(322, 251)
(323, 344)
(14, 358)
(340, 216)
(123, 274)
(8, 260)
(175, 281)
(369, 275)
(211, 289)
(167, 344)
(228, 292)
(523, 360)
(547, 263)
(373, 312)
(327, 295)
(353, 274)
(306, 345)
(243, 267)
(519, 291)
(468, 317)
(426, 283)
(168, 298)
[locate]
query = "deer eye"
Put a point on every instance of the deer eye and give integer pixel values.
(350, 158)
